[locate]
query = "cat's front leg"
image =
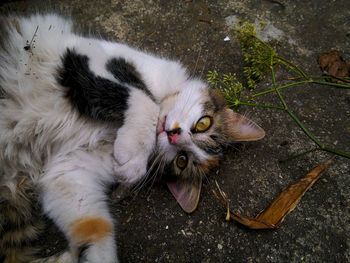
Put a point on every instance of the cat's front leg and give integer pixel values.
(136, 139)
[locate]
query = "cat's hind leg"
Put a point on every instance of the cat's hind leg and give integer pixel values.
(73, 196)
(136, 138)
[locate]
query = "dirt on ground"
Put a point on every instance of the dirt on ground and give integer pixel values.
(151, 227)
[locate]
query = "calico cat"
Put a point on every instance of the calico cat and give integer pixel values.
(78, 114)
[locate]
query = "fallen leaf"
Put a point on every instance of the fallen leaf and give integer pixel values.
(332, 64)
(273, 216)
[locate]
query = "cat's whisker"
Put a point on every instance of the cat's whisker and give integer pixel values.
(185, 110)
(146, 178)
(137, 188)
(204, 64)
(181, 59)
(154, 176)
(195, 67)
(205, 177)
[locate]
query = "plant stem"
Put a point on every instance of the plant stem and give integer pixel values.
(281, 87)
(264, 43)
(322, 77)
(298, 155)
(331, 84)
(306, 131)
(276, 89)
(331, 150)
(291, 68)
(294, 66)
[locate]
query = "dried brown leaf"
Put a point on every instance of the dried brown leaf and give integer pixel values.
(332, 64)
(273, 216)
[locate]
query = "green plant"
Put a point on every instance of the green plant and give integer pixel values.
(261, 59)
(257, 54)
(229, 86)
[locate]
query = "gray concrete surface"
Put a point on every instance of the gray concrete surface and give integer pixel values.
(151, 226)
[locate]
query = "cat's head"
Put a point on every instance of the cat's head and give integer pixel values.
(194, 128)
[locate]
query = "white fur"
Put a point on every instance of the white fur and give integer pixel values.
(69, 157)
(176, 109)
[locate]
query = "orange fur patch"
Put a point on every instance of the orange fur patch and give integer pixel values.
(211, 163)
(176, 125)
(89, 229)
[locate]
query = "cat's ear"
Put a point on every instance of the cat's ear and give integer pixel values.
(240, 128)
(186, 192)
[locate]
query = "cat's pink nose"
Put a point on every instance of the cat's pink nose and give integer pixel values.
(173, 135)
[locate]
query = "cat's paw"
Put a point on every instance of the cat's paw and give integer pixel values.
(133, 170)
(127, 146)
(131, 156)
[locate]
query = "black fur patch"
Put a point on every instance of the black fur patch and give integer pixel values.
(81, 251)
(126, 73)
(93, 96)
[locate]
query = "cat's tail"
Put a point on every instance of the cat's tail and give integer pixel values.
(20, 223)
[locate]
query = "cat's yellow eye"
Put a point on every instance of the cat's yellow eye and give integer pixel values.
(181, 160)
(203, 124)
